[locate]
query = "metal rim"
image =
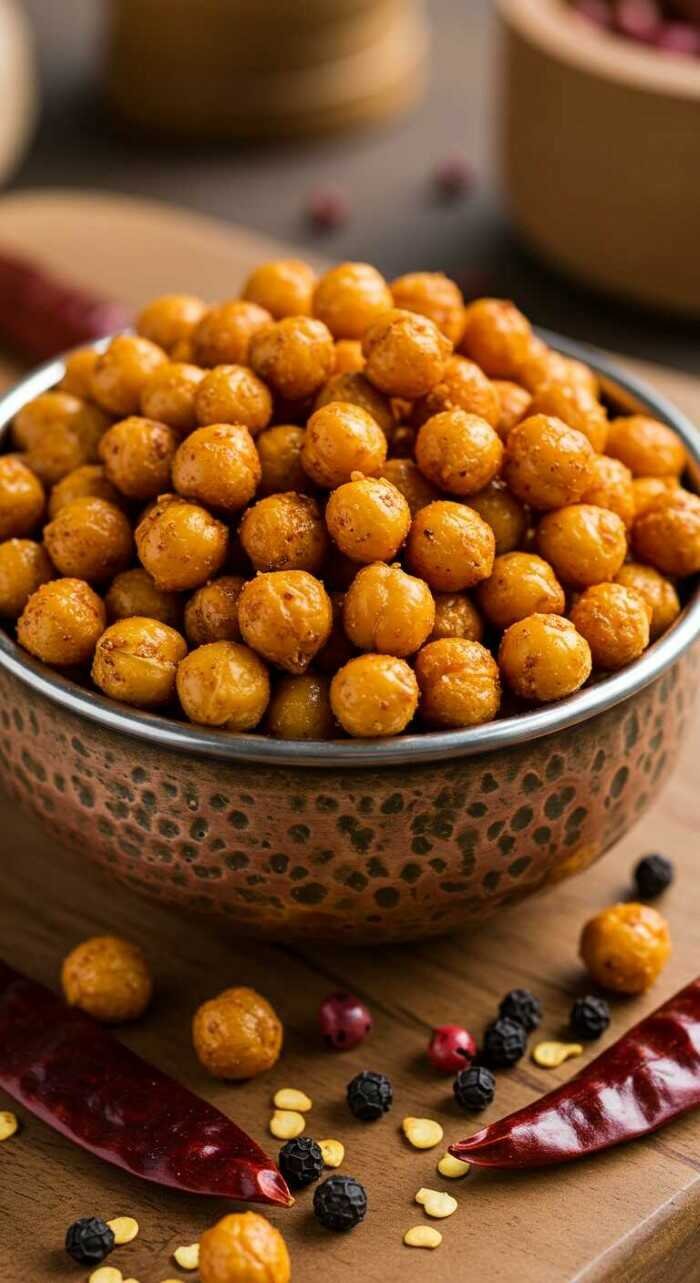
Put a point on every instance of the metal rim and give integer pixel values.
(434, 746)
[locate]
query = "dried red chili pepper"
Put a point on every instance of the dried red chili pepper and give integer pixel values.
(648, 1077)
(41, 316)
(79, 1079)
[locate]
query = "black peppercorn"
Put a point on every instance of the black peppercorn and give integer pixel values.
(590, 1017)
(340, 1203)
(653, 875)
(89, 1240)
(300, 1162)
(474, 1088)
(369, 1095)
(523, 1006)
(504, 1043)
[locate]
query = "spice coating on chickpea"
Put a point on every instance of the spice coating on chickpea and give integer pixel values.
(56, 415)
(459, 683)
(170, 395)
(658, 592)
(521, 584)
(233, 394)
(407, 477)
(368, 519)
(300, 709)
(237, 1034)
(133, 592)
(137, 455)
(87, 482)
(349, 297)
(169, 319)
(243, 1248)
(667, 535)
(286, 616)
(294, 356)
(284, 287)
(285, 532)
(547, 464)
(218, 465)
(450, 546)
(625, 947)
(348, 358)
(223, 684)
(279, 451)
(584, 544)
(463, 386)
(434, 295)
(211, 613)
(648, 489)
(341, 439)
(355, 389)
(648, 448)
(497, 336)
(405, 354)
(503, 513)
(374, 695)
(543, 658)
(459, 452)
(180, 544)
(136, 660)
(388, 611)
(514, 405)
(456, 616)
(543, 365)
(89, 539)
(224, 334)
(615, 622)
(612, 487)
(22, 498)
(575, 406)
(24, 567)
(62, 622)
(108, 978)
(122, 371)
(77, 376)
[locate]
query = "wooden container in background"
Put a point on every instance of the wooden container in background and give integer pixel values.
(601, 154)
(249, 68)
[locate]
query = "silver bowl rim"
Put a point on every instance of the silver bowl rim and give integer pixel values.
(402, 750)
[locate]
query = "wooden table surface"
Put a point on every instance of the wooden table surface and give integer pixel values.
(630, 1216)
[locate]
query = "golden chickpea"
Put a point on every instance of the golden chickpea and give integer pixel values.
(349, 297)
(122, 371)
(547, 464)
(224, 334)
(89, 539)
(24, 567)
(456, 616)
(294, 356)
(338, 649)
(374, 696)
(211, 613)
(458, 452)
(407, 477)
(286, 616)
(62, 623)
(218, 465)
(647, 447)
(182, 352)
(612, 487)
(459, 683)
(237, 1034)
(658, 592)
(60, 433)
(463, 386)
(279, 451)
(87, 482)
(348, 358)
(368, 519)
(406, 354)
(355, 389)
(133, 592)
(543, 365)
(170, 319)
(170, 396)
(138, 457)
(285, 532)
(284, 287)
(615, 622)
(647, 490)
(667, 535)
(521, 584)
(243, 1248)
(136, 661)
(514, 404)
(450, 546)
(341, 439)
(625, 947)
(584, 544)
(77, 379)
(180, 544)
(233, 394)
(497, 336)
(22, 498)
(576, 407)
(300, 709)
(223, 684)
(388, 611)
(503, 513)
(434, 295)
(543, 658)
(108, 978)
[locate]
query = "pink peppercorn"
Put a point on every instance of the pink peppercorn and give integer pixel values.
(345, 1021)
(638, 19)
(451, 1048)
(454, 177)
(328, 208)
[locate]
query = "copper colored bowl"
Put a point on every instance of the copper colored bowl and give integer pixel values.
(361, 840)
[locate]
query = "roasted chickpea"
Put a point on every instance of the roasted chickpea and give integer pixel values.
(497, 336)
(338, 649)
(24, 567)
(458, 452)
(183, 352)
(237, 1034)
(233, 394)
(648, 489)
(243, 1248)
(407, 477)
(355, 389)
(388, 611)
(224, 334)
(286, 616)
(89, 539)
(584, 544)
(169, 319)
(60, 433)
(543, 365)
(463, 386)
(543, 658)
(77, 378)
(108, 978)
(612, 487)
(284, 287)
(406, 354)
(504, 514)
(62, 622)
(170, 395)
(136, 661)
(294, 356)
(348, 358)
(87, 482)
(647, 447)
(341, 439)
(456, 616)
(667, 535)
(521, 584)
(615, 622)
(211, 613)
(450, 546)
(368, 519)
(576, 407)
(138, 457)
(300, 709)
(218, 465)
(514, 404)
(459, 683)
(279, 451)
(349, 297)
(547, 464)
(22, 498)
(434, 295)
(180, 544)
(625, 947)
(657, 591)
(223, 684)
(122, 371)
(133, 592)
(374, 695)
(285, 532)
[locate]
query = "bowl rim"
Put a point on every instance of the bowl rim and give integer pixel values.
(434, 746)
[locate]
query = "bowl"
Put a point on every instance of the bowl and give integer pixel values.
(601, 154)
(359, 840)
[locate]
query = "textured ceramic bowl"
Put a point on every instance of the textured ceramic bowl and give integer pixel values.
(350, 839)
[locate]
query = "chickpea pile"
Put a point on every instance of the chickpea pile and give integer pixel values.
(337, 504)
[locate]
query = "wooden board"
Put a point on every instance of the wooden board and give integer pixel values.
(631, 1216)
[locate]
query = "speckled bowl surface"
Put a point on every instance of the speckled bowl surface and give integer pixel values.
(359, 840)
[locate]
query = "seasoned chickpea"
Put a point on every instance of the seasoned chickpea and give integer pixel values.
(300, 709)
(60, 433)
(170, 319)
(349, 297)
(667, 535)
(543, 365)
(138, 455)
(504, 514)
(615, 622)
(543, 658)
(218, 465)
(237, 1035)
(286, 616)
(584, 544)
(388, 611)
(374, 695)
(89, 539)
(407, 477)
(294, 356)
(463, 386)
(62, 622)
(22, 498)
(108, 978)
(279, 451)
(658, 592)
(514, 404)
(284, 287)
(458, 452)
(521, 584)
(648, 489)
(348, 358)
(434, 295)
(211, 613)
(612, 487)
(87, 482)
(24, 567)
(223, 684)
(285, 532)
(497, 336)
(136, 661)
(77, 378)
(547, 464)
(341, 439)
(405, 353)
(180, 544)
(459, 683)
(576, 407)
(224, 334)
(450, 546)
(233, 394)
(122, 371)
(456, 616)
(243, 1248)
(625, 947)
(368, 519)
(355, 389)
(133, 592)
(647, 447)
(170, 396)
(338, 649)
